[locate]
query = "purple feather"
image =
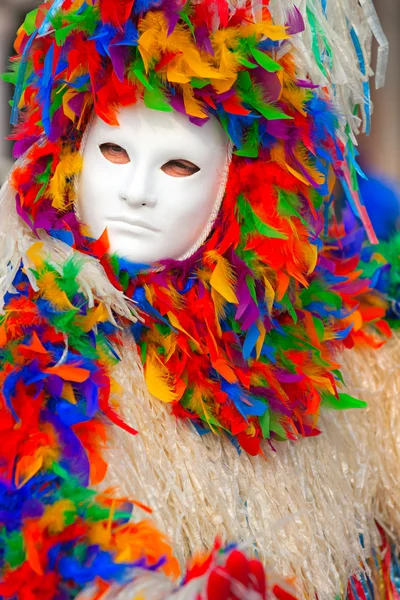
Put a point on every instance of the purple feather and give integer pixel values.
(178, 104)
(55, 386)
(118, 55)
(279, 129)
(22, 213)
(306, 84)
(288, 377)
(76, 103)
(198, 121)
(21, 146)
(295, 22)
(73, 452)
(269, 82)
(203, 41)
(32, 509)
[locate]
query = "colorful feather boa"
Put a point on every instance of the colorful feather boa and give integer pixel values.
(57, 396)
(58, 536)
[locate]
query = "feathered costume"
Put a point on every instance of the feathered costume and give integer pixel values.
(203, 366)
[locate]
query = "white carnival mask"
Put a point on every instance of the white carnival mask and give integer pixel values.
(156, 183)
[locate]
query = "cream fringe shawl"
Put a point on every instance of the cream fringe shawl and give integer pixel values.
(301, 509)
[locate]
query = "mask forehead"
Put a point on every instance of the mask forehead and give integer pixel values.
(142, 130)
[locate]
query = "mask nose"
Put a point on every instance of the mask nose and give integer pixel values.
(138, 190)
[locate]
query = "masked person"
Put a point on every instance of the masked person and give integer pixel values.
(176, 289)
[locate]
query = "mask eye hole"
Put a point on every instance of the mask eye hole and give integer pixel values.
(115, 154)
(180, 168)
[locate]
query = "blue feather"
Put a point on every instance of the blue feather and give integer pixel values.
(250, 341)
(21, 78)
(246, 405)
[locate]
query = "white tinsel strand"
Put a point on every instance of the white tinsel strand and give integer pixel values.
(383, 43)
(326, 51)
(303, 509)
(10, 232)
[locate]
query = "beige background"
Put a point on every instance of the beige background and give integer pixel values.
(380, 152)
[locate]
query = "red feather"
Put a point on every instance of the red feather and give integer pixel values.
(116, 12)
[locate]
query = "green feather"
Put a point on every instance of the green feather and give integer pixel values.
(13, 544)
(251, 142)
(288, 206)
(85, 21)
(29, 24)
(345, 402)
(317, 292)
(265, 424)
(156, 100)
(276, 427)
(265, 61)
(253, 96)
(63, 33)
(253, 224)
(319, 328)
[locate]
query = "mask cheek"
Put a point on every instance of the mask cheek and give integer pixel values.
(101, 180)
(94, 196)
(187, 207)
(201, 198)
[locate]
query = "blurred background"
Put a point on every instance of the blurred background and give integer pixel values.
(380, 153)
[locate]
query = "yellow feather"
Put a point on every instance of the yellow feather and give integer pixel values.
(76, 5)
(261, 337)
(69, 94)
(356, 319)
(173, 319)
(278, 155)
(296, 174)
(26, 468)
(86, 109)
(157, 379)
(68, 393)
(169, 346)
(269, 294)
(200, 67)
(223, 279)
(148, 294)
(331, 181)
(115, 388)
(273, 32)
(225, 60)
(323, 382)
(192, 106)
(54, 516)
(379, 258)
(292, 94)
(302, 157)
(175, 75)
(251, 430)
(310, 256)
(96, 315)
(22, 102)
(219, 306)
(52, 293)
(70, 166)
(199, 406)
(34, 253)
(224, 85)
